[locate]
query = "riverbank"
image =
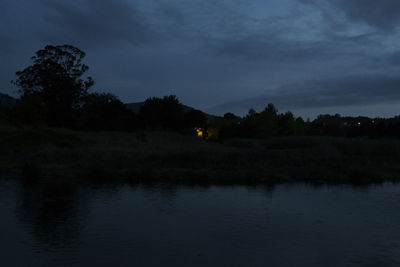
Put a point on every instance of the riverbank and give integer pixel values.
(145, 157)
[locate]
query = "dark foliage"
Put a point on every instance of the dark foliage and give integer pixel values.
(30, 109)
(269, 123)
(105, 112)
(337, 125)
(56, 78)
(195, 119)
(265, 124)
(165, 113)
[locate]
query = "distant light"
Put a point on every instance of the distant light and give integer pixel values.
(199, 132)
(358, 123)
(373, 122)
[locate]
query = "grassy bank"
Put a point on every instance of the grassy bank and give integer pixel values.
(165, 156)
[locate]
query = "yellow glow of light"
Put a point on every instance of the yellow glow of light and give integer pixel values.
(359, 123)
(199, 132)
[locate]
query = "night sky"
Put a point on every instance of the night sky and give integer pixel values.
(308, 56)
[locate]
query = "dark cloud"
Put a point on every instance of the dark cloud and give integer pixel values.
(96, 22)
(344, 91)
(275, 49)
(172, 12)
(255, 48)
(7, 43)
(383, 14)
(318, 53)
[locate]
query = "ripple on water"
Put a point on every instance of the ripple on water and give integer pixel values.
(288, 225)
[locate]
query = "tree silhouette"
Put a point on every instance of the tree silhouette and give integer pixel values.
(166, 112)
(263, 124)
(104, 111)
(56, 77)
(232, 117)
(195, 119)
(287, 124)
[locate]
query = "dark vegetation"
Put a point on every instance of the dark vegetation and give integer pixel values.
(152, 156)
(60, 128)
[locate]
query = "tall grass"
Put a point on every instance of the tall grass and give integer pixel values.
(167, 156)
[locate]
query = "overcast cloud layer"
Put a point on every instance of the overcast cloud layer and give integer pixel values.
(309, 56)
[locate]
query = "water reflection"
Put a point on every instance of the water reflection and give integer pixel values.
(286, 225)
(55, 213)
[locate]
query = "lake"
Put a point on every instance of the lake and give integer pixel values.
(166, 225)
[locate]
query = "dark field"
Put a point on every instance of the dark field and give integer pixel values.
(144, 157)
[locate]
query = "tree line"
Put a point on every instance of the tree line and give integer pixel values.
(54, 92)
(270, 123)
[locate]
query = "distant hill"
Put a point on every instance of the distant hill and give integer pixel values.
(135, 107)
(7, 101)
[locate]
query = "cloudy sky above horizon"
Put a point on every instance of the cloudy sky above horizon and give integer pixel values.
(308, 56)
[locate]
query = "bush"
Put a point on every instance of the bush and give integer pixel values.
(105, 112)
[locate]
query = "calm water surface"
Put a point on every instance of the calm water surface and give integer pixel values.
(287, 225)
